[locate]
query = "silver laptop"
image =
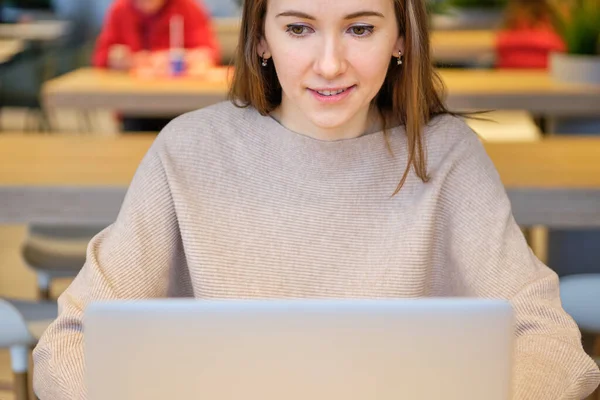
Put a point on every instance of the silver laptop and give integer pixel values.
(455, 349)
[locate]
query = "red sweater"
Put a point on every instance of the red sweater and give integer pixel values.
(125, 25)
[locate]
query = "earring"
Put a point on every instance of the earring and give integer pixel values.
(400, 57)
(265, 61)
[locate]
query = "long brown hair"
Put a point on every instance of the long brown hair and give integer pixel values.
(411, 94)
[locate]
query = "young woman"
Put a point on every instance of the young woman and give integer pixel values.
(336, 173)
(529, 36)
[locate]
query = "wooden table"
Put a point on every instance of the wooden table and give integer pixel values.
(90, 89)
(533, 91)
(39, 31)
(83, 179)
(506, 126)
(464, 47)
(10, 48)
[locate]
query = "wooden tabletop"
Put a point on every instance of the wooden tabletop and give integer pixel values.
(464, 47)
(65, 160)
(70, 160)
(43, 31)
(534, 91)
(91, 88)
(530, 90)
(555, 163)
(83, 179)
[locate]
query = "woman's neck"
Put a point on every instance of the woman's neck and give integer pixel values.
(367, 123)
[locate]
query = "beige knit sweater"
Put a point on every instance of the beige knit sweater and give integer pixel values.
(230, 204)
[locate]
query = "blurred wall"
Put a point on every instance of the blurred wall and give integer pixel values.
(222, 8)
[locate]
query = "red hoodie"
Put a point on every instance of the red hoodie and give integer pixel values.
(126, 25)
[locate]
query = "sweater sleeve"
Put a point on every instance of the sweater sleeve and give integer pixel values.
(139, 256)
(491, 258)
(199, 32)
(108, 37)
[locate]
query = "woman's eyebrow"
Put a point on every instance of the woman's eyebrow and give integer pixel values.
(298, 14)
(360, 14)
(303, 15)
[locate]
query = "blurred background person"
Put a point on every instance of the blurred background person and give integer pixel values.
(136, 30)
(528, 36)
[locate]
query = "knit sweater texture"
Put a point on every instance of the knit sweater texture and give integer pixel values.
(230, 204)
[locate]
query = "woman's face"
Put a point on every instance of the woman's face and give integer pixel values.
(331, 58)
(149, 6)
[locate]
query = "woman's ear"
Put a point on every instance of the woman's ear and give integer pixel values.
(263, 49)
(399, 47)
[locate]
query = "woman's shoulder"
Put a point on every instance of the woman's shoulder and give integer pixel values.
(224, 110)
(447, 131)
(219, 119)
(208, 129)
(451, 143)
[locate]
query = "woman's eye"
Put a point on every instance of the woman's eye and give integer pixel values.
(361, 30)
(298, 30)
(303, 30)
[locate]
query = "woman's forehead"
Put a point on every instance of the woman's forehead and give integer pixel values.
(331, 8)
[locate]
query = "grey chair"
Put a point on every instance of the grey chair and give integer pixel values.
(56, 251)
(21, 326)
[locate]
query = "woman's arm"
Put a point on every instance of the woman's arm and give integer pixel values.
(139, 256)
(490, 258)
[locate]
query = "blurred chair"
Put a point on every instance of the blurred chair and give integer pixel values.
(21, 326)
(56, 251)
(21, 83)
(23, 79)
(78, 40)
